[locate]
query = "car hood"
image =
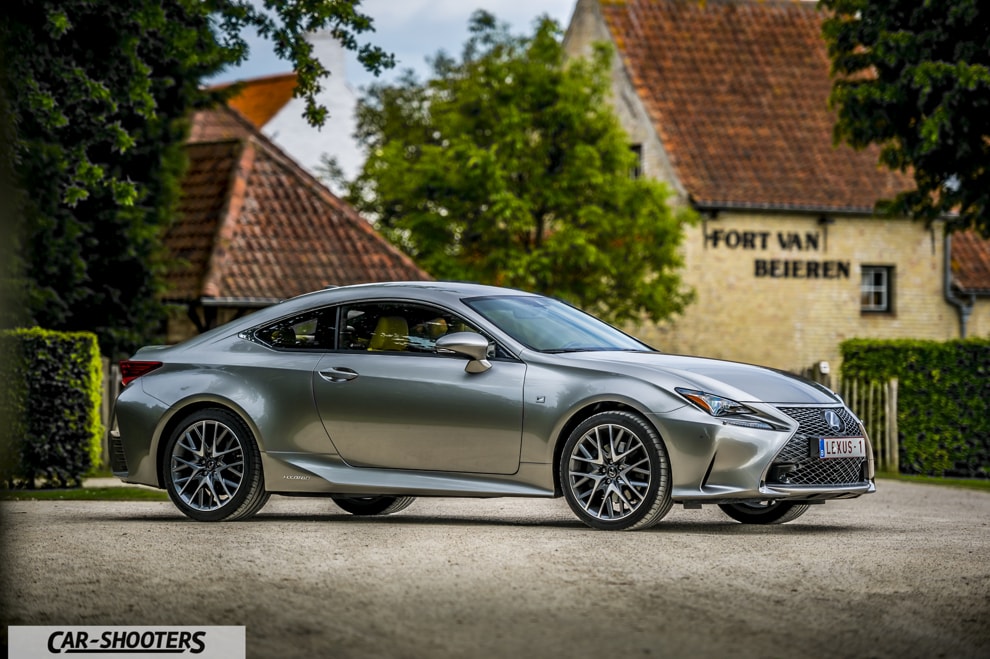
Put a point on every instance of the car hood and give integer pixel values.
(741, 382)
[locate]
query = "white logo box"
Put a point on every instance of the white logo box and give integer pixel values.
(122, 642)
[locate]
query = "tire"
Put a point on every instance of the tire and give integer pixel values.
(373, 505)
(764, 512)
(615, 473)
(212, 468)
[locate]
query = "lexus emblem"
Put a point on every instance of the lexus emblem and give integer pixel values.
(833, 420)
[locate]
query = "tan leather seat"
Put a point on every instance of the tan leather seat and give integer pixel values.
(391, 333)
(436, 328)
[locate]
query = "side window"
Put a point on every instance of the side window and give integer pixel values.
(396, 327)
(313, 330)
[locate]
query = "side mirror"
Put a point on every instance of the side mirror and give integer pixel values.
(469, 344)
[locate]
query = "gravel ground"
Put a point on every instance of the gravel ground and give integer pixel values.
(902, 573)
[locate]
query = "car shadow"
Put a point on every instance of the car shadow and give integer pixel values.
(700, 527)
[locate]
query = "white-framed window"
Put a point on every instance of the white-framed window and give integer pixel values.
(876, 290)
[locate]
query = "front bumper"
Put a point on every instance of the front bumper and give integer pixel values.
(714, 462)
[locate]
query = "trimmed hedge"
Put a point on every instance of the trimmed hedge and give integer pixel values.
(943, 403)
(50, 400)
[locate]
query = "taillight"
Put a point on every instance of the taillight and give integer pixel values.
(132, 370)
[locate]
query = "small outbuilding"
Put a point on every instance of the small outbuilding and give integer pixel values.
(254, 228)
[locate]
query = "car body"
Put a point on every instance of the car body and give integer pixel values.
(378, 393)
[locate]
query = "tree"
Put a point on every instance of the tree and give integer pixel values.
(98, 98)
(509, 167)
(913, 76)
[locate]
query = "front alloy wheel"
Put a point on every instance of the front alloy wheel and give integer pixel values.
(213, 469)
(615, 473)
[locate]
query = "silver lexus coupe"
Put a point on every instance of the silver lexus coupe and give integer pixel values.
(373, 395)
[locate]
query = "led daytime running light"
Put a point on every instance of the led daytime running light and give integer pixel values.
(715, 405)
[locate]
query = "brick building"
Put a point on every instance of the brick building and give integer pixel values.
(726, 101)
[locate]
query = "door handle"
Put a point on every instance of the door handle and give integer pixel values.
(338, 374)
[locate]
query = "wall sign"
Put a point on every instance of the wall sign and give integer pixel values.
(790, 241)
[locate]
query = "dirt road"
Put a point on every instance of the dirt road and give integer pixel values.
(903, 573)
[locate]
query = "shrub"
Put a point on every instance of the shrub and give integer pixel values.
(50, 398)
(943, 407)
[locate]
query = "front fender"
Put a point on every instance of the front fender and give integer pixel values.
(554, 397)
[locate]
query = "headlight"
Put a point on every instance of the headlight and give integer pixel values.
(714, 405)
(726, 409)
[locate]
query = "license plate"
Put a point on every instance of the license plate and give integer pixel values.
(830, 448)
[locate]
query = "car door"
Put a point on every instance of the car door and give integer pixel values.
(281, 379)
(388, 400)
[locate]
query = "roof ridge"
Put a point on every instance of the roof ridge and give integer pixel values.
(236, 115)
(326, 195)
(255, 250)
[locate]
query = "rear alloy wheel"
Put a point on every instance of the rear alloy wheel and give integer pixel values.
(615, 473)
(213, 468)
(373, 505)
(764, 512)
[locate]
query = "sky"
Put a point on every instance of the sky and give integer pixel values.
(412, 30)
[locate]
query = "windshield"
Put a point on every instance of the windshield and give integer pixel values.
(549, 325)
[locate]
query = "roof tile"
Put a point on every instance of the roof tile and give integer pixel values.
(971, 262)
(253, 225)
(204, 196)
(218, 124)
(738, 93)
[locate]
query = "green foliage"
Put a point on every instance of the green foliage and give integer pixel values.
(286, 25)
(52, 395)
(98, 115)
(99, 96)
(943, 401)
(913, 76)
(509, 168)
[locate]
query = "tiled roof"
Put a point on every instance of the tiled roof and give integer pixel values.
(254, 227)
(204, 197)
(219, 124)
(260, 99)
(971, 262)
(737, 91)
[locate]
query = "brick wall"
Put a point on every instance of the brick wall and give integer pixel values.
(979, 321)
(784, 289)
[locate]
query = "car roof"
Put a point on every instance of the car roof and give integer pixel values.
(451, 292)
(430, 289)
(460, 288)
